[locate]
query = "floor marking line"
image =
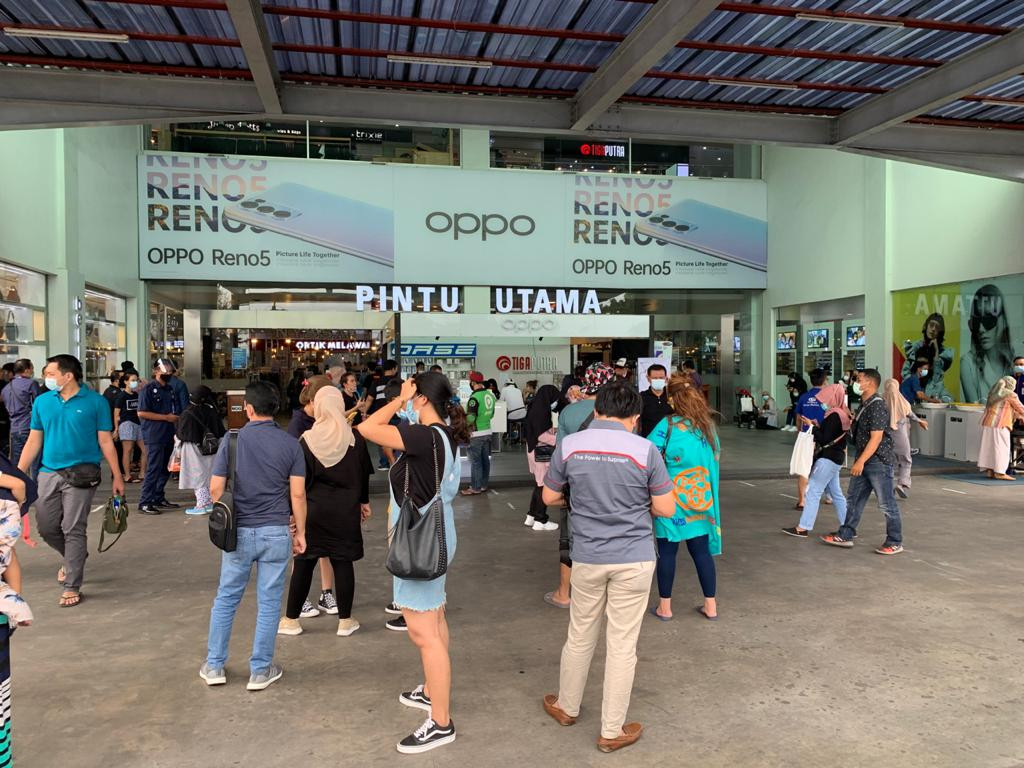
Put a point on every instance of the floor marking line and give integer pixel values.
(97, 509)
(495, 493)
(510, 505)
(744, 482)
(953, 490)
(787, 496)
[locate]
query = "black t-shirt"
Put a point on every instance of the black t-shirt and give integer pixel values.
(128, 402)
(417, 460)
(112, 395)
(655, 409)
(829, 432)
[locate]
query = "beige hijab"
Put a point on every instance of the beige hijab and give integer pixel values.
(330, 437)
(1001, 390)
(899, 408)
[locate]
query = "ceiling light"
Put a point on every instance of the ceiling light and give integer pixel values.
(1003, 102)
(756, 84)
(439, 61)
(850, 20)
(67, 34)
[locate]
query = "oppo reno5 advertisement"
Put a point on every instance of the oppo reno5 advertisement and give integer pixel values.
(317, 221)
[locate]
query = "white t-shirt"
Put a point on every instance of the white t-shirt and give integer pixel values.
(513, 398)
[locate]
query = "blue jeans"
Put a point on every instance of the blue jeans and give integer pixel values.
(270, 548)
(824, 477)
(702, 559)
(18, 440)
(480, 462)
(157, 456)
(877, 477)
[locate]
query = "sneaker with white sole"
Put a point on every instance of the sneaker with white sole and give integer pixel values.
(529, 521)
(428, 736)
(327, 603)
(288, 626)
(198, 511)
(213, 675)
(397, 625)
(346, 627)
(415, 698)
(890, 549)
(548, 526)
(264, 678)
(309, 611)
(393, 609)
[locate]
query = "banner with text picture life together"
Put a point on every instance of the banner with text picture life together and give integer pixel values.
(968, 333)
(332, 222)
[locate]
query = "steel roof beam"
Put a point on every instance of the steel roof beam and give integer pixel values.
(251, 29)
(19, 115)
(664, 25)
(990, 64)
(1009, 167)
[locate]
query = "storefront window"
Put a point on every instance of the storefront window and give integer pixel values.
(105, 337)
(23, 320)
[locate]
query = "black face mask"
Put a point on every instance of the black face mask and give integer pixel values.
(163, 378)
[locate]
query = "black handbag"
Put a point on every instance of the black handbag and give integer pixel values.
(542, 453)
(11, 327)
(81, 475)
(222, 521)
(418, 550)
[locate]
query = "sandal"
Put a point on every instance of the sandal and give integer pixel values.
(470, 492)
(700, 610)
(70, 599)
(61, 575)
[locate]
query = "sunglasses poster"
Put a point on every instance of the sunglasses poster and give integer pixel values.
(967, 334)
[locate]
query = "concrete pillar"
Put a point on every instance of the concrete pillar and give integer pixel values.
(746, 161)
(475, 148)
(877, 267)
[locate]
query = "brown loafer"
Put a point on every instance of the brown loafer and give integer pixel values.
(630, 734)
(556, 712)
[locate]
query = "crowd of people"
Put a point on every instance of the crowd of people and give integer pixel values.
(632, 476)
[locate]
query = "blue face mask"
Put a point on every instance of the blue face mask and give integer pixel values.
(52, 384)
(409, 414)
(658, 384)
(1019, 368)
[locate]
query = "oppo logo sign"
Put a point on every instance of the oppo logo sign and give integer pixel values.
(483, 225)
(522, 324)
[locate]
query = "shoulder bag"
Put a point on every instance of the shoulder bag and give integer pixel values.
(210, 443)
(418, 550)
(81, 475)
(543, 452)
(11, 327)
(115, 520)
(222, 521)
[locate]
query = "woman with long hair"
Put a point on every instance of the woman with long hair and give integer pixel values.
(429, 437)
(931, 347)
(539, 431)
(337, 504)
(689, 442)
(201, 417)
(991, 354)
(1001, 410)
(900, 416)
(829, 457)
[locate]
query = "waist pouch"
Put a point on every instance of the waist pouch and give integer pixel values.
(81, 475)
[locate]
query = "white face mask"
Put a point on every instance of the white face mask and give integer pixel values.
(658, 384)
(133, 385)
(856, 389)
(52, 385)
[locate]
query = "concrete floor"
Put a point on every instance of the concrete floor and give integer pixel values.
(822, 657)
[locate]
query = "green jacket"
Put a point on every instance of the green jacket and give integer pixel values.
(480, 411)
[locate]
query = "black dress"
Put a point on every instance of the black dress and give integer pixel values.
(333, 495)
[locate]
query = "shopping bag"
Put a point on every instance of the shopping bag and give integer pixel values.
(174, 465)
(803, 454)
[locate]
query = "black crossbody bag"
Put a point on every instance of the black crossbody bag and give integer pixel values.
(222, 521)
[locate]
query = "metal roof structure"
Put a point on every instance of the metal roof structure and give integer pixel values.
(934, 80)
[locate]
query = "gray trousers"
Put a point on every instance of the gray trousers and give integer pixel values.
(62, 517)
(901, 453)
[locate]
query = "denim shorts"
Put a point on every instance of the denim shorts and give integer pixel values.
(129, 430)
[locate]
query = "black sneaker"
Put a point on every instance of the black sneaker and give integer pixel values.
(397, 625)
(427, 737)
(167, 504)
(393, 609)
(415, 698)
(794, 531)
(150, 509)
(902, 492)
(327, 603)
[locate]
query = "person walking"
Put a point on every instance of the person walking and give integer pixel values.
(829, 458)
(268, 490)
(900, 415)
(429, 448)
(479, 412)
(18, 397)
(613, 555)
(1002, 408)
(808, 413)
(71, 425)
(337, 504)
(689, 444)
(159, 411)
(126, 423)
(197, 424)
(539, 431)
(873, 469)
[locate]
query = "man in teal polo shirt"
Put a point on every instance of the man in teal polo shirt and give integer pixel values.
(71, 424)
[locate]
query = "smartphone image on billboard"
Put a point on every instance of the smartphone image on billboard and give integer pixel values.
(318, 217)
(714, 231)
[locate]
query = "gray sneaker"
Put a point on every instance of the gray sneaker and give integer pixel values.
(213, 676)
(264, 678)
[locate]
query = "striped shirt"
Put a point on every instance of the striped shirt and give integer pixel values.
(613, 474)
(1002, 414)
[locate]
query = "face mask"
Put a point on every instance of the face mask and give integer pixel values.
(856, 389)
(409, 414)
(1019, 368)
(825, 407)
(924, 374)
(658, 384)
(133, 385)
(52, 385)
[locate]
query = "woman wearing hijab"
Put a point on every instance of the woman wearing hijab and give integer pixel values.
(1002, 408)
(199, 419)
(829, 457)
(900, 416)
(539, 431)
(337, 504)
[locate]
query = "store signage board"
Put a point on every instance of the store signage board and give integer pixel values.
(332, 345)
(439, 350)
(323, 222)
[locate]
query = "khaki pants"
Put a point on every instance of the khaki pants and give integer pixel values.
(620, 592)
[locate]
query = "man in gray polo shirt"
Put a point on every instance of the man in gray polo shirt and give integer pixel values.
(618, 482)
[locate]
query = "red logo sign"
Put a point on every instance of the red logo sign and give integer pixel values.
(506, 363)
(584, 149)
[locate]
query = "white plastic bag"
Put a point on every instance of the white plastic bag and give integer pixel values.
(803, 454)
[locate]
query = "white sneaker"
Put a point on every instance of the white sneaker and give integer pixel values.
(548, 526)
(346, 627)
(528, 522)
(289, 626)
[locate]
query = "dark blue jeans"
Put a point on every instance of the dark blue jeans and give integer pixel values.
(156, 472)
(480, 462)
(18, 440)
(700, 551)
(877, 477)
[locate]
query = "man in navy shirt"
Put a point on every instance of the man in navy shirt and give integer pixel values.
(809, 412)
(268, 488)
(912, 387)
(158, 415)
